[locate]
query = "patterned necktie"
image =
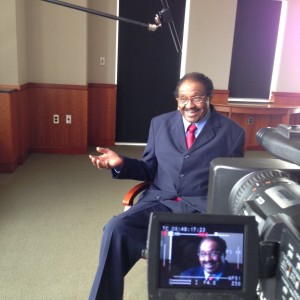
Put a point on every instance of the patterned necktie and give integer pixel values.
(190, 136)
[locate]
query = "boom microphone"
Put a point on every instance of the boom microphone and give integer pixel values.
(166, 15)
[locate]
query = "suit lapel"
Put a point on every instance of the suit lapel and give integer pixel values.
(208, 131)
(178, 133)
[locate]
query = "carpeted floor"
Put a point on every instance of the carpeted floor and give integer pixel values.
(52, 211)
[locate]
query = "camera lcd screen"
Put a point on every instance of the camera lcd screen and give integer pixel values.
(202, 255)
(206, 256)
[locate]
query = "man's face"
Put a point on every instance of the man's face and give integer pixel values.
(210, 257)
(192, 111)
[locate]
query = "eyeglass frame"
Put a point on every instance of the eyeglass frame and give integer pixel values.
(195, 99)
(213, 254)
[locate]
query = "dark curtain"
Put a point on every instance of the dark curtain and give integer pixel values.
(254, 46)
(148, 68)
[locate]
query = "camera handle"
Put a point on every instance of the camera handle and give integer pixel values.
(268, 259)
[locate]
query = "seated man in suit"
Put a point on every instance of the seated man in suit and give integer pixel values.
(176, 161)
(214, 269)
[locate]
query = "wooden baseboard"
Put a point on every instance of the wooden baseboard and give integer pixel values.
(8, 167)
(254, 148)
(59, 150)
(102, 142)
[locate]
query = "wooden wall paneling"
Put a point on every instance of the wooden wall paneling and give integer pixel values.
(40, 118)
(23, 117)
(254, 117)
(26, 120)
(8, 131)
(47, 100)
(102, 115)
(258, 121)
(250, 129)
(286, 99)
(295, 119)
(220, 97)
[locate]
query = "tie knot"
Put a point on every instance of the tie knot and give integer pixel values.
(190, 136)
(192, 128)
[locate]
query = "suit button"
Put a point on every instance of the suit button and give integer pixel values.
(157, 197)
(186, 156)
(181, 175)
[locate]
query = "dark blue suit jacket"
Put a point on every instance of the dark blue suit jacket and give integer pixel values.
(176, 171)
(229, 275)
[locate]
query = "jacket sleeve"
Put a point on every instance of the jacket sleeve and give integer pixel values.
(140, 169)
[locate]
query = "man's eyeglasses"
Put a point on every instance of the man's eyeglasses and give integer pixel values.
(213, 254)
(195, 99)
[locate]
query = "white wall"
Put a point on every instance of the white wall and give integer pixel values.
(8, 43)
(56, 43)
(289, 68)
(210, 39)
(46, 43)
(102, 42)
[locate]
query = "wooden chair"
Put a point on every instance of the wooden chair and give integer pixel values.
(130, 196)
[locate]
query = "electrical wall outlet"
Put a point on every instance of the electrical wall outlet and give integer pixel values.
(250, 120)
(68, 119)
(102, 61)
(56, 119)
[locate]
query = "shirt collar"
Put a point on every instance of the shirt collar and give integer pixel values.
(199, 125)
(217, 275)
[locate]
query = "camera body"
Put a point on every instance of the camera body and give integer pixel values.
(267, 189)
(254, 206)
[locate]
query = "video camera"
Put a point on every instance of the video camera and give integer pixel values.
(254, 205)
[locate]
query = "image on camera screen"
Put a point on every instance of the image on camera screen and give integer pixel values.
(208, 256)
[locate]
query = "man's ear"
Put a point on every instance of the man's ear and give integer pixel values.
(223, 258)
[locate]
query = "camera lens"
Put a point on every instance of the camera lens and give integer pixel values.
(263, 193)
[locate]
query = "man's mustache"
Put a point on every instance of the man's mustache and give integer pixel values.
(191, 109)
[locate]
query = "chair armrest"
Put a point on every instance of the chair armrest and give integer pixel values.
(133, 192)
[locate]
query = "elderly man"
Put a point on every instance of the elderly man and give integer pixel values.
(181, 144)
(214, 269)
